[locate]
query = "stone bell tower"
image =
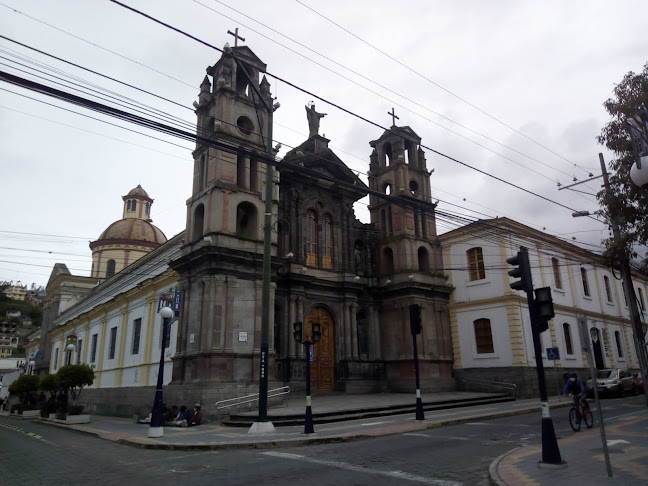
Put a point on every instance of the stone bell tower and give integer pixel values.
(409, 262)
(221, 266)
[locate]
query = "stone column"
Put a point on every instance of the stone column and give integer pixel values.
(220, 312)
(374, 335)
(354, 330)
(300, 317)
(346, 316)
(291, 345)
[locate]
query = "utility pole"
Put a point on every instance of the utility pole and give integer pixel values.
(626, 275)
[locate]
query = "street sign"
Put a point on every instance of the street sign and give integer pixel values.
(177, 300)
(553, 353)
(310, 352)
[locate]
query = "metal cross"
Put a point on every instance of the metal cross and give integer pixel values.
(394, 117)
(237, 37)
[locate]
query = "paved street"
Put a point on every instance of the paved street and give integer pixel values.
(32, 452)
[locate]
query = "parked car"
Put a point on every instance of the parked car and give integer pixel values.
(639, 381)
(613, 381)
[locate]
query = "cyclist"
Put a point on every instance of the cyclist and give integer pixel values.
(575, 387)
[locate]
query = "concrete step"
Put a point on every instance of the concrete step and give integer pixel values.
(246, 420)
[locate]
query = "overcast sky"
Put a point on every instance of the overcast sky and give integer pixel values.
(514, 89)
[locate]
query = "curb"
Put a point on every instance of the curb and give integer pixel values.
(493, 475)
(297, 442)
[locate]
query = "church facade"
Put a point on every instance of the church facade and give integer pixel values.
(355, 280)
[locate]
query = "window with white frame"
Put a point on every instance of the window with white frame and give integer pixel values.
(608, 288)
(476, 264)
(569, 347)
(619, 345)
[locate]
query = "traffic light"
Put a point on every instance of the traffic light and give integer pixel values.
(415, 319)
(521, 260)
(544, 309)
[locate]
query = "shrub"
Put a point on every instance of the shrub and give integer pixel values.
(75, 409)
(24, 386)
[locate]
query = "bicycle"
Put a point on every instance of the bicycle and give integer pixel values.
(577, 413)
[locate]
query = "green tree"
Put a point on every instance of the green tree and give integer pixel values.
(49, 384)
(24, 386)
(74, 378)
(626, 202)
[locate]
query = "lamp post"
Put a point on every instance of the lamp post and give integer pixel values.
(156, 428)
(316, 335)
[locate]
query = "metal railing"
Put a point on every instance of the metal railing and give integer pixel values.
(233, 402)
(490, 385)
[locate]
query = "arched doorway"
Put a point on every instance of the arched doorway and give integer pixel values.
(323, 364)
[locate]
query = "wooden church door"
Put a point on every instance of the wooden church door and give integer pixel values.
(323, 364)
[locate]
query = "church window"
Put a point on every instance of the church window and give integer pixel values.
(327, 243)
(387, 188)
(310, 242)
(568, 340)
(137, 331)
(199, 217)
(148, 208)
(113, 343)
(586, 290)
(388, 153)
(414, 187)
(388, 261)
(617, 338)
(556, 272)
(241, 171)
(390, 218)
(383, 221)
(110, 268)
(245, 125)
(246, 221)
(608, 289)
(133, 205)
(423, 260)
(476, 264)
(483, 336)
(93, 349)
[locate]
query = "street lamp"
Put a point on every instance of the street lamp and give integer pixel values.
(156, 428)
(308, 351)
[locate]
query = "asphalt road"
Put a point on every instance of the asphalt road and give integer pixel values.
(32, 453)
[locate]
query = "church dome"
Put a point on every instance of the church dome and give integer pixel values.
(133, 230)
(138, 191)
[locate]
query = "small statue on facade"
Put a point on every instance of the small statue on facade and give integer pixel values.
(313, 119)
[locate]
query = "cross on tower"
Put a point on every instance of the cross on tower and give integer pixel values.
(394, 117)
(237, 37)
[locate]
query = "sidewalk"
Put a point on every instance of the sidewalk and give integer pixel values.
(215, 436)
(627, 439)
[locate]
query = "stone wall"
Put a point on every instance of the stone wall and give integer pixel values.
(525, 379)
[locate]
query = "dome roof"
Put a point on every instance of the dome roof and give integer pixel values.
(133, 230)
(138, 191)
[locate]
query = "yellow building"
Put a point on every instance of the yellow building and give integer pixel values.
(16, 292)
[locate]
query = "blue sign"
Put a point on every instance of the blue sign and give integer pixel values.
(177, 300)
(310, 352)
(553, 353)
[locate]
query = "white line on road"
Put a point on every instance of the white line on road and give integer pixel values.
(351, 467)
(427, 436)
(373, 423)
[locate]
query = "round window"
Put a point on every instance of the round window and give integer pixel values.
(245, 125)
